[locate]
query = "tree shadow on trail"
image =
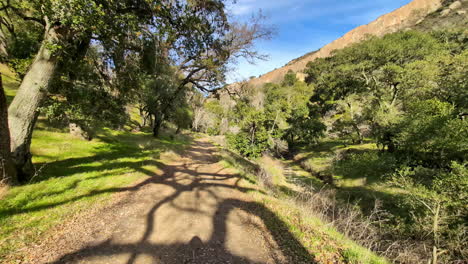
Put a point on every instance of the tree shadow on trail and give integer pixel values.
(214, 249)
(120, 154)
(109, 156)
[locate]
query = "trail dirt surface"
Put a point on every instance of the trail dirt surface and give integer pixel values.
(194, 211)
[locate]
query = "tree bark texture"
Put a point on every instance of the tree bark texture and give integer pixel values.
(3, 46)
(23, 110)
(7, 168)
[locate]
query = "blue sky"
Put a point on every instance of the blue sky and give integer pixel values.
(303, 26)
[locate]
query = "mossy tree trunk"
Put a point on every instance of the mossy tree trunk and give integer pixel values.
(7, 168)
(22, 113)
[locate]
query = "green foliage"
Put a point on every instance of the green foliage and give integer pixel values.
(349, 117)
(150, 53)
(453, 185)
(253, 138)
(216, 114)
(72, 177)
(214, 107)
(433, 133)
(248, 146)
(182, 117)
(212, 131)
(437, 201)
(380, 77)
(80, 95)
(20, 66)
(371, 166)
(272, 118)
(306, 130)
(289, 79)
(408, 91)
(22, 47)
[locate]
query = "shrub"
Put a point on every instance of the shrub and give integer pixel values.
(433, 134)
(437, 200)
(212, 131)
(246, 146)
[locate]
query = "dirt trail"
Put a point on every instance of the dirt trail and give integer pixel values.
(193, 212)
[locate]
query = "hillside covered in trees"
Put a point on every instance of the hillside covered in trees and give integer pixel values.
(391, 111)
(121, 141)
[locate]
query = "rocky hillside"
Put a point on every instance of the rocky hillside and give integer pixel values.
(418, 13)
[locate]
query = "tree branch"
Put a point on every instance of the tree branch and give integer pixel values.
(19, 13)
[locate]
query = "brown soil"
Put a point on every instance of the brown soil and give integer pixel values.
(195, 211)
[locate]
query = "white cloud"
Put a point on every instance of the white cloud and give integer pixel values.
(239, 10)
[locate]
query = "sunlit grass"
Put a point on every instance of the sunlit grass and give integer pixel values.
(323, 243)
(319, 158)
(360, 171)
(72, 175)
(10, 82)
(274, 169)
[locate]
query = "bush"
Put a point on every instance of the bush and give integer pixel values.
(432, 134)
(212, 131)
(437, 200)
(247, 147)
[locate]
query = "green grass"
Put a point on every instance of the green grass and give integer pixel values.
(359, 171)
(321, 242)
(356, 165)
(73, 175)
(10, 82)
(319, 158)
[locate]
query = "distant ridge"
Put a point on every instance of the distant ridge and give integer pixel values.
(404, 17)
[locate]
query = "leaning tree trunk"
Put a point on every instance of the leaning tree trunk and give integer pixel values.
(23, 110)
(7, 168)
(3, 47)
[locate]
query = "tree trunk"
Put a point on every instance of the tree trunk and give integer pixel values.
(143, 116)
(158, 119)
(435, 231)
(23, 110)
(7, 168)
(3, 47)
(358, 133)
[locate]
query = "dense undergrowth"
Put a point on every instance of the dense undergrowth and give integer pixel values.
(284, 196)
(382, 125)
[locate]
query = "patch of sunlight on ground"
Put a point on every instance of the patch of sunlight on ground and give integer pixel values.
(74, 174)
(322, 242)
(10, 82)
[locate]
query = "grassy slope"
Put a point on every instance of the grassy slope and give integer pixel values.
(73, 175)
(362, 173)
(10, 82)
(322, 242)
(358, 171)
